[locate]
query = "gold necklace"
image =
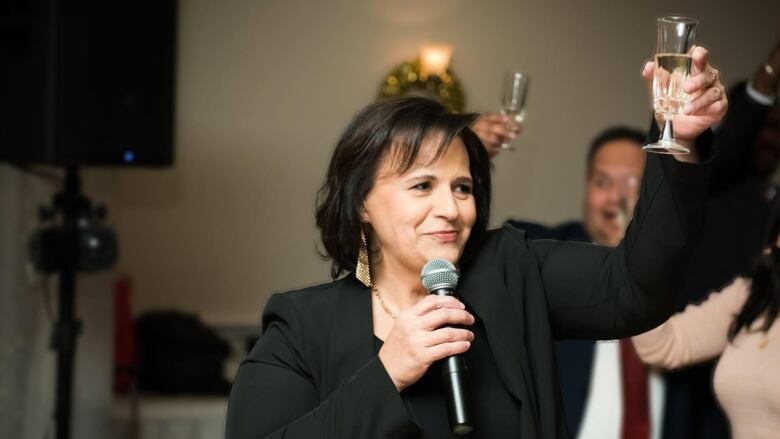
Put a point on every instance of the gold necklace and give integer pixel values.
(387, 309)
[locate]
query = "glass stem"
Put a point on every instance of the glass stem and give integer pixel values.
(667, 136)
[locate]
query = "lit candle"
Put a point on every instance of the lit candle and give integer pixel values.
(434, 60)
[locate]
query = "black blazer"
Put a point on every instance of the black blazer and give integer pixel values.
(313, 372)
(574, 357)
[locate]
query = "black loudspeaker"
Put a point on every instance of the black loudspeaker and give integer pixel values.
(87, 82)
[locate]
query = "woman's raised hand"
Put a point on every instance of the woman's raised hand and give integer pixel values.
(707, 102)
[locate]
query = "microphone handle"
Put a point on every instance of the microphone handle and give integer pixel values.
(455, 386)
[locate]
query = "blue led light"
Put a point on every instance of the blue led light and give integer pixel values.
(129, 156)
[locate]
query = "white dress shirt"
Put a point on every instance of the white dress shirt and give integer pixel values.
(603, 414)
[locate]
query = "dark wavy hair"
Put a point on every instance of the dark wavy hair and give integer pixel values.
(764, 298)
(393, 128)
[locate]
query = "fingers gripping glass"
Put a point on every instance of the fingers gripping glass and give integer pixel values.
(672, 68)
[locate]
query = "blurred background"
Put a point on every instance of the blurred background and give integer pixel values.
(260, 92)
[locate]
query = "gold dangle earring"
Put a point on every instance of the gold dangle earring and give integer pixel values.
(363, 267)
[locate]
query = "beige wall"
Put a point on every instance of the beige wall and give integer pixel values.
(264, 88)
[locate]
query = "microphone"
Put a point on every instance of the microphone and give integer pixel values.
(440, 277)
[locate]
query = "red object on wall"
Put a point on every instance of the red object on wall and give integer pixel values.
(125, 364)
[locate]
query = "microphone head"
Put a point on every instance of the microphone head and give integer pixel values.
(438, 274)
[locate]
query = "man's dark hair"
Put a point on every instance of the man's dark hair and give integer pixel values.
(610, 135)
(396, 129)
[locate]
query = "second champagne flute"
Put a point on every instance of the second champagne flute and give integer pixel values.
(515, 93)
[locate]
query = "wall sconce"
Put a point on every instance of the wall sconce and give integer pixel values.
(434, 60)
(428, 75)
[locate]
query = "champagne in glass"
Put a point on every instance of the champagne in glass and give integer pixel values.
(672, 68)
(516, 117)
(513, 100)
(670, 74)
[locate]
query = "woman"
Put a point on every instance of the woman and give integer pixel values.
(739, 325)
(409, 182)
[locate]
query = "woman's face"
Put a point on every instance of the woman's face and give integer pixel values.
(425, 213)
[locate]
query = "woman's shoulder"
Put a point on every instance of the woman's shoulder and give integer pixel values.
(737, 291)
(740, 285)
(500, 246)
(506, 234)
(318, 292)
(309, 303)
(509, 229)
(502, 240)
(729, 300)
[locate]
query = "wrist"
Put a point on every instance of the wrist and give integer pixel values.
(692, 156)
(387, 364)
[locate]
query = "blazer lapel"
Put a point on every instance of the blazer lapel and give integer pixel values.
(491, 302)
(351, 338)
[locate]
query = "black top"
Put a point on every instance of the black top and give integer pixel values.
(575, 357)
(568, 231)
(427, 407)
(314, 372)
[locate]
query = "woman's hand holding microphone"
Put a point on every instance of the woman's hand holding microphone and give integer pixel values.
(423, 334)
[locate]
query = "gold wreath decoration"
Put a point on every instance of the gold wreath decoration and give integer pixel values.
(407, 79)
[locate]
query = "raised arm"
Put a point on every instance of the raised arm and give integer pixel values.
(699, 333)
(274, 395)
(596, 292)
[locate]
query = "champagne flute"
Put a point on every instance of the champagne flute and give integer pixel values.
(515, 92)
(672, 67)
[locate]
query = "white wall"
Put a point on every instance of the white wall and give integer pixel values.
(265, 87)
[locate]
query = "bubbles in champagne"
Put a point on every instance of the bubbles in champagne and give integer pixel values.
(671, 71)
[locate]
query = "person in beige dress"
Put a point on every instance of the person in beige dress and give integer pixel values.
(739, 324)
